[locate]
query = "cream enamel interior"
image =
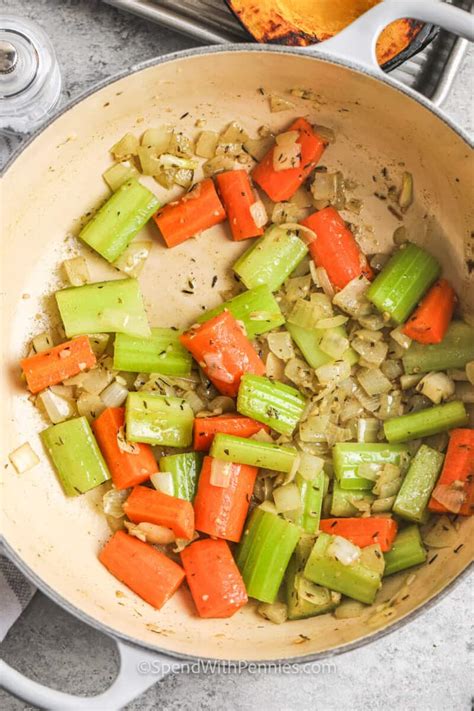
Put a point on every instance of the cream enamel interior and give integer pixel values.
(57, 179)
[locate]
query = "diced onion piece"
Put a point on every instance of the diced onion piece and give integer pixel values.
(314, 428)
(279, 103)
(287, 498)
(451, 496)
(382, 505)
(206, 144)
(299, 372)
(373, 381)
(113, 500)
(23, 458)
(436, 386)
(217, 165)
(258, 147)
(324, 282)
(390, 405)
(349, 609)
(389, 488)
(281, 345)
(333, 322)
(118, 174)
(372, 322)
(392, 369)
(440, 533)
(168, 160)
(126, 147)
(470, 371)
(268, 506)
(261, 436)
(372, 352)
(400, 236)
(369, 470)
(324, 188)
(96, 380)
(180, 145)
(234, 132)
(309, 466)
(287, 152)
(221, 473)
(333, 344)
(286, 212)
(405, 197)
(57, 407)
(275, 368)
(114, 395)
(98, 343)
(157, 138)
(259, 213)
(298, 287)
(133, 259)
(400, 338)
(89, 406)
(372, 557)
(333, 373)
(151, 533)
(42, 342)
(276, 612)
(352, 296)
(77, 271)
(344, 551)
(163, 481)
(409, 381)
(194, 401)
(65, 391)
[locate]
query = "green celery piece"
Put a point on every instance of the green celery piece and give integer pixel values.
(264, 553)
(323, 600)
(355, 580)
(240, 450)
(407, 550)
(312, 494)
(348, 456)
(117, 222)
(76, 456)
(426, 422)
(455, 350)
(158, 419)
(308, 341)
(161, 353)
(341, 503)
(271, 259)
(403, 281)
(185, 469)
(257, 309)
(415, 491)
(104, 307)
(275, 404)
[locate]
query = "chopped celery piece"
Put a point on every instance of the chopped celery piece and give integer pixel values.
(426, 422)
(403, 281)
(415, 491)
(271, 259)
(240, 450)
(455, 350)
(275, 404)
(184, 470)
(309, 342)
(304, 598)
(342, 500)
(158, 419)
(256, 308)
(264, 553)
(161, 353)
(118, 174)
(117, 222)
(76, 456)
(407, 551)
(312, 493)
(348, 456)
(354, 580)
(103, 307)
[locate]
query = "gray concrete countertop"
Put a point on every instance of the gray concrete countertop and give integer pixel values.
(423, 666)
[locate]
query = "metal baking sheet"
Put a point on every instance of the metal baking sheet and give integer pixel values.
(431, 71)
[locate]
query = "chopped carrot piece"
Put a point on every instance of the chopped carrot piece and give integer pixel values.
(282, 184)
(363, 532)
(56, 364)
(206, 427)
(221, 511)
(129, 463)
(196, 211)
(151, 506)
(335, 248)
(223, 352)
(213, 578)
(146, 571)
(431, 319)
(238, 197)
(456, 480)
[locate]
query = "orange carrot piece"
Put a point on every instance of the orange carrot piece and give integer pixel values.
(335, 248)
(206, 427)
(458, 467)
(221, 511)
(431, 319)
(151, 506)
(213, 578)
(282, 184)
(223, 352)
(238, 197)
(196, 211)
(56, 364)
(129, 463)
(363, 532)
(146, 571)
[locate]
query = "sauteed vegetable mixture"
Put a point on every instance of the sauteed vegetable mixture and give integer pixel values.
(297, 443)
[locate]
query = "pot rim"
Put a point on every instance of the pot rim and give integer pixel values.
(16, 558)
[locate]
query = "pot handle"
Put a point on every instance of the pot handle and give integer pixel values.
(357, 42)
(139, 669)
